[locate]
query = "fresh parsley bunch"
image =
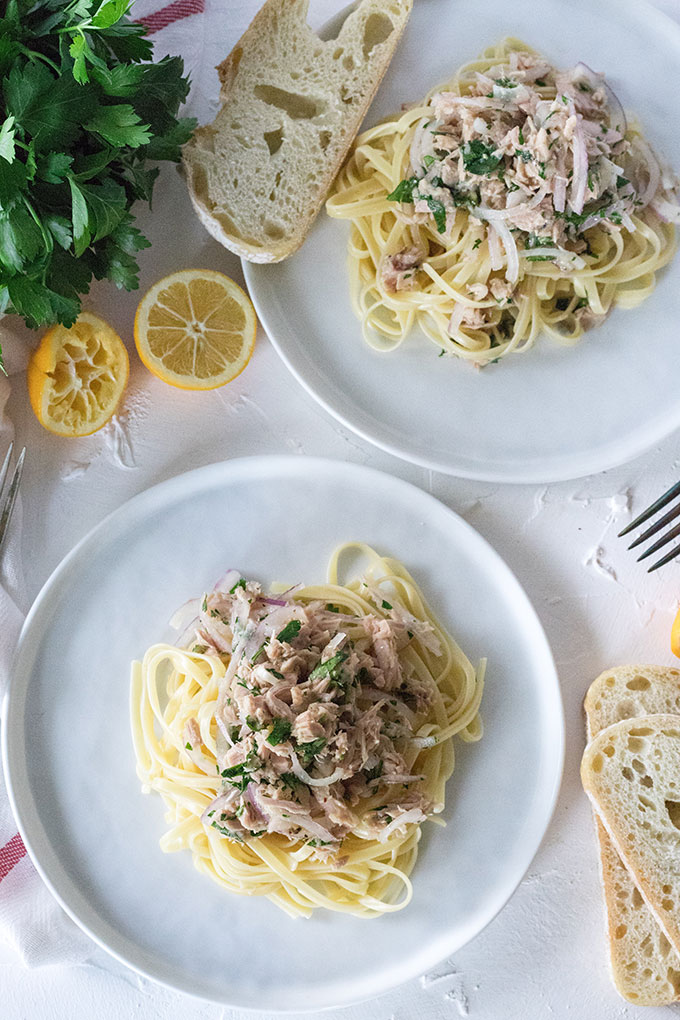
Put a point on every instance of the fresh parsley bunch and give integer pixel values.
(85, 115)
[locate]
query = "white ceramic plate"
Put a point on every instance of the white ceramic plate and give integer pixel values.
(553, 413)
(70, 766)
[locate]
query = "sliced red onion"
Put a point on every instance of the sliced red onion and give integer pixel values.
(494, 248)
(579, 181)
(457, 316)
(274, 602)
(653, 172)
(407, 818)
(185, 615)
(563, 258)
(669, 212)
(512, 271)
(485, 213)
(227, 581)
(304, 777)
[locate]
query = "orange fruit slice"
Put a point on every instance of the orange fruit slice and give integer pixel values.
(77, 376)
(675, 635)
(195, 329)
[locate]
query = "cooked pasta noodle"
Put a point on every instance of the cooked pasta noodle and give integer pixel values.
(444, 251)
(176, 691)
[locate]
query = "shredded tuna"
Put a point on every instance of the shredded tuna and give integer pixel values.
(317, 716)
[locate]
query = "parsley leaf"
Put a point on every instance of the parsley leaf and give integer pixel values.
(479, 158)
(311, 749)
(83, 111)
(329, 668)
(291, 629)
(279, 732)
(404, 190)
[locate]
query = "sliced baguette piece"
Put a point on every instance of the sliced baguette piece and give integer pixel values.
(645, 967)
(631, 772)
(291, 105)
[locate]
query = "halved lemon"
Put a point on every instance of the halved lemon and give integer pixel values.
(195, 329)
(76, 376)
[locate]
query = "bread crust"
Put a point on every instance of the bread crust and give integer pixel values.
(274, 23)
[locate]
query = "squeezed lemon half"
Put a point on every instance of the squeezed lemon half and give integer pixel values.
(76, 376)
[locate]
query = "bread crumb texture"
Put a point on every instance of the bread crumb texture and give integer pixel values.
(631, 771)
(291, 106)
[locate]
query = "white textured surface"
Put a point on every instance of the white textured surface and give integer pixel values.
(544, 956)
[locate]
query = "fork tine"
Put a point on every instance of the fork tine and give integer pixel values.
(673, 533)
(665, 559)
(650, 511)
(5, 465)
(656, 527)
(11, 496)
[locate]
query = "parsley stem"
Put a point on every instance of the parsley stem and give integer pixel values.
(33, 54)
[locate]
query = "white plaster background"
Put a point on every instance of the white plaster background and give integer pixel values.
(544, 955)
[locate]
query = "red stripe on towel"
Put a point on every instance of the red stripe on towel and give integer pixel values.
(173, 12)
(10, 854)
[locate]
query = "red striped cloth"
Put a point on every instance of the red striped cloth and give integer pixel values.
(173, 12)
(10, 854)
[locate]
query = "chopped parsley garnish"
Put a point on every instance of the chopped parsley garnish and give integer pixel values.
(253, 724)
(520, 135)
(291, 629)
(188, 746)
(539, 258)
(329, 668)
(438, 210)
(239, 584)
(375, 772)
(615, 217)
(428, 160)
(524, 155)
(214, 612)
(534, 241)
(311, 749)
(229, 833)
(204, 604)
(479, 158)
(386, 604)
(275, 672)
(290, 780)
(199, 649)
(259, 652)
(363, 676)
(404, 190)
(540, 82)
(331, 608)
(582, 302)
(318, 842)
(506, 83)
(279, 732)
(584, 87)
(621, 182)
(234, 733)
(476, 244)
(464, 197)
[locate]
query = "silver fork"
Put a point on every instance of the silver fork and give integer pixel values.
(670, 515)
(8, 493)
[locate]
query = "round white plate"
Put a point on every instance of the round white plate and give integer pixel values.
(70, 766)
(553, 413)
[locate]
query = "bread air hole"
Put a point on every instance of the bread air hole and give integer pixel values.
(377, 29)
(674, 979)
(274, 140)
(673, 809)
(296, 106)
(625, 772)
(637, 899)
(597, 763)
(638, 766)
(638, 683)
(620, 931)
(609, 751)
(642, 731)
(667, 904)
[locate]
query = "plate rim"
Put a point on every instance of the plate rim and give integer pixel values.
(13, 744)
(569, 467)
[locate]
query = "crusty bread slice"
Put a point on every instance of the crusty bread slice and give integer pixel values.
(631, 772)
(645, 967)
(291, 107)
